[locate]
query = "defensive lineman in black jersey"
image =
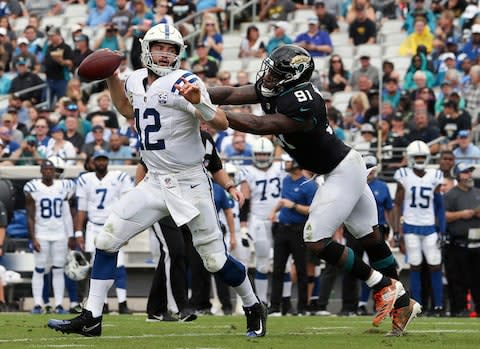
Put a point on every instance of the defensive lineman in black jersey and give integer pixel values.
(295, 112)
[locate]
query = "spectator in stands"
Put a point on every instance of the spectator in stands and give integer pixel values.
(104, 103)
(359, 105)
(338, 76)
(443, 95)
(365, 69)
(26, 79)
(362, 30)
(97, 144)
(446, 163)
(211, 36)
(142, 21)
(418, 75)
(119, 154)
(471, 92)
(239, 148)
(418, 10)
(242, 78)
(98, 120)
(58, 62)
(58, 146)
(277, 10)
(224, 78)
(456, 6)
(129, 133)
(368, 135)
(280, 36)
(6, 49)
(35, 42)
(9, 121)
(161, 15)
(122, 17)
(327, 20)
(466, 151)
(100, 15)
(71, 133)
(428, 96)
(43, 8)
(70, 108)
(252, 45)
(209, 63)
(391, 92)
(11, 9)
(14, 102)
(110, 39)
(76, 94)
(41, 131)
(181, 9)
(5, 82)
(388, 69)
(451, 121)
(421, 130)
(465, 65)
(472, 47)
(351, 12)
(23, 52)
(316, 41)
(9, 145)
(421, 36)
(81, 51)
(447, 31)
(28, 153)
(123, 69)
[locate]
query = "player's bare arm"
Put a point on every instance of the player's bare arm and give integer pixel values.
(30, 207)
(120, 100)
(215, 117)
(223, 95)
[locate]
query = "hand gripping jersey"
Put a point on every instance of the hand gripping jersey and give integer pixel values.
(49, 201)
(265, 188)
(418, 208)
(316, 149)
(96, 196)
(167, 127)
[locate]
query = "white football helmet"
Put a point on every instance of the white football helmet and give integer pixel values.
(418, 149)
(77, 266)
(59, 164)
(263, 153)
(232, 171)
(162, 33)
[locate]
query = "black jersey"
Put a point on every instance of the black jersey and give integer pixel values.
(316, 149)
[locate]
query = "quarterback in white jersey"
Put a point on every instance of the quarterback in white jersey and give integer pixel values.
(418, 193)
(44, 200)
(261, 184)
(97, 192)
(167, 111)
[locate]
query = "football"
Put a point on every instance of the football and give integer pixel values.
(99, 65)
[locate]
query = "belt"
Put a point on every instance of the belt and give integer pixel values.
(100, 224)
(293, 225)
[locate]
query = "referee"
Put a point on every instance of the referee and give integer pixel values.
(297, 195)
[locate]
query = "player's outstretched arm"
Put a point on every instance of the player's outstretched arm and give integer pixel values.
(120, 100)
(204, 109)
(225, 95)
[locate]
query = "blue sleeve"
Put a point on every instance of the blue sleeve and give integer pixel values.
(440, 212)
(388, 204)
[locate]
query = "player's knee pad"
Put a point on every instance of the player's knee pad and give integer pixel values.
(262, 265)
(233, 272)
(213, 262)
(107, 242)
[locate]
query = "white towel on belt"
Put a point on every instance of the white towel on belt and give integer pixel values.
(181, 210)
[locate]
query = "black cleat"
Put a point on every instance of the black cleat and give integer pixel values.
(123, 309)
(106, 309)
(84, 324)
(256, 320)
(166, 316)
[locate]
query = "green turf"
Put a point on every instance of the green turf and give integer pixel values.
(23, 330)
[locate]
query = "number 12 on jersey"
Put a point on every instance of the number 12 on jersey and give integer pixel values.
(145, 134)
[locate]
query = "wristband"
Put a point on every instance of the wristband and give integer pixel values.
(78, 234)
(229, 186)
(207, 110)
(294, 207)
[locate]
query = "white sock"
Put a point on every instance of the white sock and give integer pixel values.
(374, 278)
(262, 288)
(37, 287)
(58, 282)
(287, 289)
(96, 295)
(121, 294)
(245, 291)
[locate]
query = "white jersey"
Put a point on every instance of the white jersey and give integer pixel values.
(96, 196)
(165, 121)
(265, 188)
(49, 212)
(418, 207)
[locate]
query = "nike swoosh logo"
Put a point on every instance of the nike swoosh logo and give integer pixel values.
(260, 330)
(194, 185)
(88, 329)
(304, 109)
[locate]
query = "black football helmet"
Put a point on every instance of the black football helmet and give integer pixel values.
(286, 66)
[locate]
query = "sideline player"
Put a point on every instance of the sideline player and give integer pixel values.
(167, 115)
(44, 200)
(296, 114)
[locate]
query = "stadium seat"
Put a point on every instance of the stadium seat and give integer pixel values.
(391, 26)
(230, 65)
(390, 50)
(302, 15)
(263, 28)
(73, 10)
(20, 24)
(230, 52)
(321, 63)
(342, 97)
(373, 50)
(232, 40)
(344, 50)
(339, 39)
(56, 21)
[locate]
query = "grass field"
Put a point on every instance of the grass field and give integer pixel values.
(22, 330)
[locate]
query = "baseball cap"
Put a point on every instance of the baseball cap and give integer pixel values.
(47, 163)
(463, 167)
(56, 128)
(76, 28)
(470, 11)
(320, 3)
(312, 20)
(97, 127)
(53, 31)
(22, 40)
(370, 160)
(100, 153)
(463, 133)
(12, 110)
(448, 55)
(367, 128)
(282, 24)
(21, 61)
(81, 37)
(475, 29)
(451, 104)
(3, 31)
